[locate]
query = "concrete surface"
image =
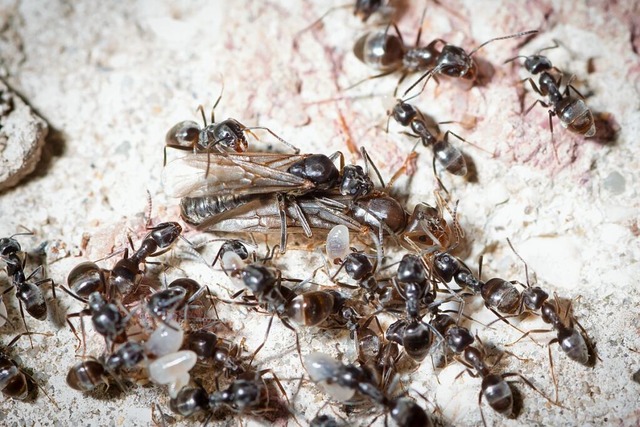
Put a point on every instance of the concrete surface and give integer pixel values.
(111, 78)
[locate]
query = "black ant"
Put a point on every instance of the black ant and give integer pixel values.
(308, 309)
(388, 53)
(15, 383)
(453, 61)
(346, 381)
(29, 294)
(572, 111)
(126, 274)
(413, 286)
(248, 394)
(447, 155)
(228, 134)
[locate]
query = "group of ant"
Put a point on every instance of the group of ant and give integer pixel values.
(391, 304)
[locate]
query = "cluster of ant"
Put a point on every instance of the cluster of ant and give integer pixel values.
(224, 188)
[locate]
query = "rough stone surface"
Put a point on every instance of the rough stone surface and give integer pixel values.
(111, 77)
(22, 136)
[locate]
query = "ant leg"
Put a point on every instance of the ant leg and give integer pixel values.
(575, 90)
(400, 80)
(446, 138)
(295, 149)
(544, 104)
(338, 155)
(283, 222)
(435, 174)
(278, 383)
(386, 73)
(554, 379)
(553, 140)
(530, 384)
(24, 322)
(484, 421)
(304, 223)
(367, 162)
(533, 331)
(73, 329)
(533, 86)
(200, 110)
(298, 348)
(403, 169)
(266, 335)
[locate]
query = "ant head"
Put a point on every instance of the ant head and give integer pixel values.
(455, 62)
(404, 113)
(365, 8)
(164, 234)
(536, 64)
(355, 181)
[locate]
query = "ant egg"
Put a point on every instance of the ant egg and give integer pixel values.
(166, 339)
(338, 242)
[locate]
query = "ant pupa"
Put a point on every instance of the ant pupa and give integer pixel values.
(337, 246)
(173, 370)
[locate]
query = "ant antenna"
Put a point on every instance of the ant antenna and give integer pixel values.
(523, 33)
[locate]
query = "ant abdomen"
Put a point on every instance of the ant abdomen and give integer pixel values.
(190, 401)
(501, 295)
(576, 116)
(85, 279)
(498, 393)
(86, 375)
(33, 300)
(310, 308)
(379, 50)
(450, 158)
(13, 382)
(573, 344)
(183, 134)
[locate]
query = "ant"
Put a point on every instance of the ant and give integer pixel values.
(388, 53)
(29, 294)
(15, 382)
(248, 394)
(412, 285)
(345, 381)
(494, 388)
(447, 156)
(572, 111)
(126, 274)
(228, 134)
(308, 308)
(453, 61)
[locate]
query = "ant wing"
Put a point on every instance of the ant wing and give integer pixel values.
(202, 174)
(263, 215)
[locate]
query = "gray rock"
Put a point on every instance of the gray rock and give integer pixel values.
(22, 136)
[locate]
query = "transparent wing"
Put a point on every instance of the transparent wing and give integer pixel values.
(202, 174)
